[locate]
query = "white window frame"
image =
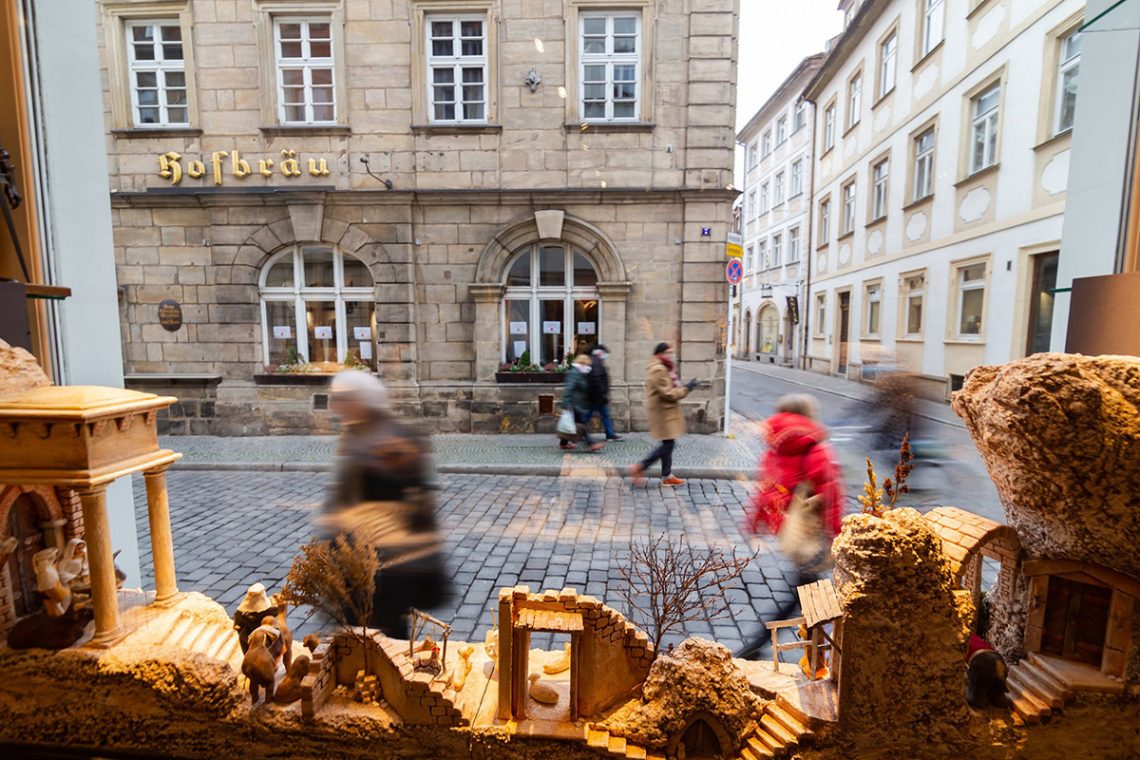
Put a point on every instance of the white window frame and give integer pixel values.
(754, 154)
(457, 63)
(750, 260)
(777, 250)
(924, 165)
(609, 59)
(793, 245)
(933, 15)
(849, 207)
(880, 188)
(781, 130)
(820, 314)
(873, 307)
(825, 221)
(536, 294)
(964, 286)
(797, 178)
(1066, 65)
(766, 144)
(762, 254)
(299, 294)
(829, 128)
(888, 64)
(911, 292)
(751, 204)
(161, 68)
(854, 100)
(799, 120)
(779, 186)
(307, 64)
(985, 123)
(764, 199)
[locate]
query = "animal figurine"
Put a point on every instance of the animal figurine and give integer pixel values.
(57, 596)
(491, 640)
(289, 690)
(252, 609)
(72, 566)
(541, 692)
(286, 634)
(986, 672)
(559, 665)
(261, 658)
(43, 631)
(311, 642)
(463, 667)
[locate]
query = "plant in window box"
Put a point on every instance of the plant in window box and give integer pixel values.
(352, 361)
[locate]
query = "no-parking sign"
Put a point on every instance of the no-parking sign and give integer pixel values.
(734, 271)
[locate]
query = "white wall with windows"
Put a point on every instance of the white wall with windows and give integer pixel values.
(945, 186)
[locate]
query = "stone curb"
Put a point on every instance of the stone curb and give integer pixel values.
(543, 470)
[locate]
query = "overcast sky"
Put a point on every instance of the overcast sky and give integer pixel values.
(775, 35)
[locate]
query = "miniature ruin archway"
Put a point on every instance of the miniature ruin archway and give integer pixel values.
(702, 735)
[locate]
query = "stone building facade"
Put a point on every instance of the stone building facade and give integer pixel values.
(438, 190)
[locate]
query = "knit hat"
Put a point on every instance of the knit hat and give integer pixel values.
(583, 359)
(661, 348)
(362, 389)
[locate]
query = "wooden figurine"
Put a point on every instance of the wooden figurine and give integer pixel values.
(559, 665)
(986, 674)
(262, 657)
(428, 662)
(286, 635)
(491, 641)
(311, 642)
(463, 667)
(72, 566)
(253, 608)
(289, 690)
(57, 596)
(541, 692)
(43, 631)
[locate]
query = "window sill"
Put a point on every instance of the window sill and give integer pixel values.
(930, 54)
(977, 9)
(883, 98)
(610, 126)
(992, 168)
(850, 128)
(822, 246)
(875, 222)
(845, 236)
(1054, 140)
(825, 152)
(964, 341)
(910, 339)
(919, 202)
(456, 129)
(144, 133)
(870, 339)
(306, 130)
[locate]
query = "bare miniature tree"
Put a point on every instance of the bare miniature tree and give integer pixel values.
(336, 578)
(872, 498)
(669, 582)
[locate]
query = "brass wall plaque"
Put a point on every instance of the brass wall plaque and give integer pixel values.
(170, 314)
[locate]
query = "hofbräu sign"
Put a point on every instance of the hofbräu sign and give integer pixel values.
(223, 164)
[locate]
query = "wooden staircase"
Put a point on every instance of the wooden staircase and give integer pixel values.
(1039, 686)
(781, 730)
(617, 745)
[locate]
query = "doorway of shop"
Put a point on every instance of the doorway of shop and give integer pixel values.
(844, 320)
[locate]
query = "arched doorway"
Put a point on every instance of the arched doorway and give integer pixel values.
(768, 330)
(702, 736)
(23, 525)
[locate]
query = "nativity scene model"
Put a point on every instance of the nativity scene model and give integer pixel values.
(879, 667)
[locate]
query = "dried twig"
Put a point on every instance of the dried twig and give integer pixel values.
(337, 578)
(669, 583)
(902, 472)
(872, 498)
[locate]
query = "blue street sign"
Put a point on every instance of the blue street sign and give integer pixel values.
(734, 271)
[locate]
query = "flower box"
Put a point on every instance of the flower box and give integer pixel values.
(294, 378)
(531, 378)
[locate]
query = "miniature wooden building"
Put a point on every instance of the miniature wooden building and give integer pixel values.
(83, 438)
(820, 605)
(968, 540)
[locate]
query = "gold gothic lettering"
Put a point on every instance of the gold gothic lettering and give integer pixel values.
(172, 166)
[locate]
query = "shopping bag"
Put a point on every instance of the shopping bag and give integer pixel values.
(801, 537)
(567, 425)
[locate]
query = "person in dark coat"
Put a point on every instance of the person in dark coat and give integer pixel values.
(383, 491)
(663, 394)
(599, 378)
(576, 398)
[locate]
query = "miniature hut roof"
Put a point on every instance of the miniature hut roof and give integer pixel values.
(819, 602)
(964, 533)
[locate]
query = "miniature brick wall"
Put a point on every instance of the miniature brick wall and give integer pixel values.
(321, 680)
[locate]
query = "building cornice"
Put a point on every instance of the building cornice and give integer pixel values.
(868, 14)
(806, 68)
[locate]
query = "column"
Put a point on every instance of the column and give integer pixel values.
(100, 558)
(488, 329)
(505, 653)
(161, 539)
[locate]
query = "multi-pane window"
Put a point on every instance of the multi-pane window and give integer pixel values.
(829, 128)
(750, 259)
(457, 62)
(779, 183)
(888, 63)
(971, 298)
(766, 143)
(797, 178)
(317, 305)
(158, 74)
(782, 130)
(764, 198)
(550, 308)
(777, 250)
(879, 176)
(913, 291)
(984, 128)
(931, 24)
(752, 204)
(305, 72)
(793, 245)
(753, 155)
(824, 222)
(924, 164)
(610, 65)
(854, 99)
(1067, 82)
(762, 253)
(799, 121)
(874, 296)
(820, 313)
(849, 207)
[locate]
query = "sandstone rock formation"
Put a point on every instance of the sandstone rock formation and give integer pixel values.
(699, 676)
(1060, 436)
(19, 371)
(902, 681)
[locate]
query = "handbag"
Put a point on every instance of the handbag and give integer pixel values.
(801, 537)
(567, 425)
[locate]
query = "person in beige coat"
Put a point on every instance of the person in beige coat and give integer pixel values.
(663, 394)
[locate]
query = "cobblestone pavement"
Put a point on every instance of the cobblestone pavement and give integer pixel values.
(233, 529)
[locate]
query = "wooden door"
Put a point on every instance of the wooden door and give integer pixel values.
(1076, 620)
(844, 324)
(699, 741)
(23, 522)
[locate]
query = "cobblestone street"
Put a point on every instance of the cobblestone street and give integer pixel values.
(232, 529)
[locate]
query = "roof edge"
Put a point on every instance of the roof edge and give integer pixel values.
(871, 12)
(808, 65)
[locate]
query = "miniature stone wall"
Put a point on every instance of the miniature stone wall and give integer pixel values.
(1060, 436)
(904, 634)
(321, 680)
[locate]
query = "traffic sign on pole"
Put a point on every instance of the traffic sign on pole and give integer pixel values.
(734, 247)
(734, 271)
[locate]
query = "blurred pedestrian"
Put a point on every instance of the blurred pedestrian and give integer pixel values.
(599, 378)
(384, 494)
(576, 398)
(663, 394)
(798, 473)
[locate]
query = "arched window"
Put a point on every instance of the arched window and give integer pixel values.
(317, 305)
(551, 305)
(769, 329)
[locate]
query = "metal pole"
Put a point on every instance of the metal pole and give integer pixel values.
(728, 361)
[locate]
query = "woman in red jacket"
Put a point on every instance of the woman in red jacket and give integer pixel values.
(797, 453)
